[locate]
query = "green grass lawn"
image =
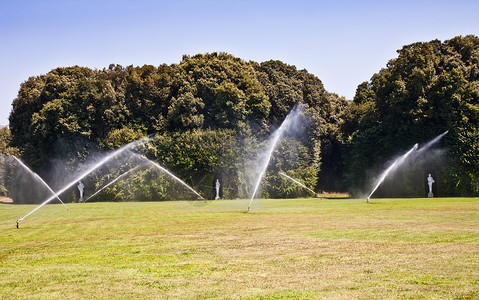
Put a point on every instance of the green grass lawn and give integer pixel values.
(295, 248)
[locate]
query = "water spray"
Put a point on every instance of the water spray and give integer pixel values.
(297, 182)
(394, 165)
(39, 178)
(112, 182)
(397, 163)
(266, 163)
(431, 143)
(156, 165)
(84, 174)
(277, 136)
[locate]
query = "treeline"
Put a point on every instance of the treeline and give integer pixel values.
(212, 115)
(428, 89)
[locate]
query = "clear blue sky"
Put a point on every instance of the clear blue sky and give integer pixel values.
(342, 42)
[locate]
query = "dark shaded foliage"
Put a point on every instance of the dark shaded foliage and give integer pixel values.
(209, 113)
(428, 89)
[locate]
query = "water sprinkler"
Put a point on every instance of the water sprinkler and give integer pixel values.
(297, 182)
(18, 221)
(39, 179)
(101, 162)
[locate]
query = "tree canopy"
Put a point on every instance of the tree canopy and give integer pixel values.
(429, 88)
(210, 113)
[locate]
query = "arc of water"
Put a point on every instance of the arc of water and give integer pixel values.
(155, 164)
(96, 166)
(266, 163)
(113, 181)
(381, 178)
(395, 164)
(39, 178)
(403, 158)
(296, 181)
(277, 135)
(431, 143)
(399, 161)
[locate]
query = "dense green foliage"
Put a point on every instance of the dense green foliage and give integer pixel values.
(5, 148)
(428, 89)
(212, 116)
(210, 113)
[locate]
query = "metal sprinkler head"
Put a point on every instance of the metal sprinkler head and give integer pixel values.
(18, 221)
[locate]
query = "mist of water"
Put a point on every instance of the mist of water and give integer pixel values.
(156, 165)
(397, 163)
(113, 181)
(430, 143)
(35, 175)
(400, 161)
(84, 174)
(297, 182)
(288, 121)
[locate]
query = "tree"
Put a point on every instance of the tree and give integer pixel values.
(428, 89)
(209, 113)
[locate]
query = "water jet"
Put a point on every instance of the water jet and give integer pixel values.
(398, 162)
(112, 182)
(87, 172)
(35, 175)
(276, 136)
(297, 182)
(156, 165)
(414, 152)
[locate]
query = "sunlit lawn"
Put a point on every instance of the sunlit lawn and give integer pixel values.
(295, 248)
